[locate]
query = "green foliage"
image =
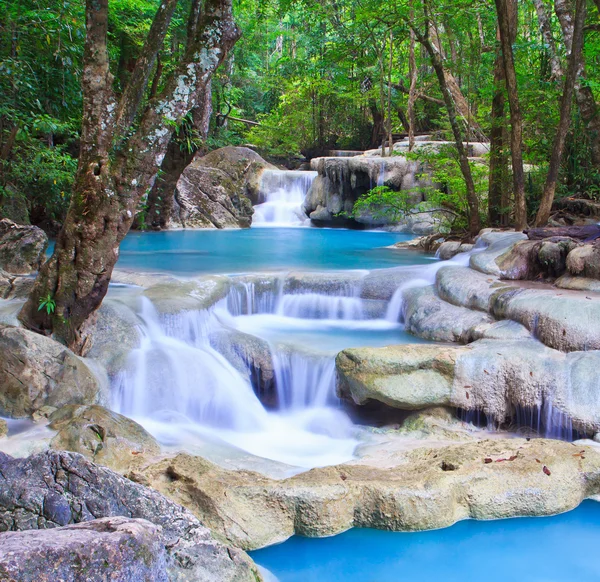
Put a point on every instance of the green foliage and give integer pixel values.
(446, 194)
(48, 303)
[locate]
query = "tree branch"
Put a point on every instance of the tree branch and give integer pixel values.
(134, 92)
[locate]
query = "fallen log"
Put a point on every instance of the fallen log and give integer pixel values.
(583, 233)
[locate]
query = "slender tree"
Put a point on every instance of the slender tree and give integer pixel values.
(503, 8)
(565, 114)
(424, 38)
(122, 148)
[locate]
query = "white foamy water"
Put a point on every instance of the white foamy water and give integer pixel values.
(283, 192)
(181, 389)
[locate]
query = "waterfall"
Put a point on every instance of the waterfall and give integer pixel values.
(283, 192)
(319, 306)
(184, 392)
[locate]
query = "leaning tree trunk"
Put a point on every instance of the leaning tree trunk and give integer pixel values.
(118, 164)
(516, 121)
(565, 115)
(436, 61)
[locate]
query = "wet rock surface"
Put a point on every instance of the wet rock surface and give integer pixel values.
(103, 436)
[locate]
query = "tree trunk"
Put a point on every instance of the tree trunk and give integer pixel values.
(436, 61)
(161, 200)
(118, 165)
(590, 112)
(565, 115)
(516, 122)
(548, 38)
(412, 90)
(498, 161)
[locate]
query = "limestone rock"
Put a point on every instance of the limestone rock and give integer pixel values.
(55, 489)
(497, 244)
(192, 295)
(451, 248)
(584, 261)
(116, 334)
(36, 371)
(116, 547)
(103, 436)
(217, 190)
(431, 318)
(422, 488)
(252, 357)
(22, 248)
(578, 283)
(3, 428)
(493, 376)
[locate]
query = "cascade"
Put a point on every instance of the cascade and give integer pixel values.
(184, 391)
(282, 192)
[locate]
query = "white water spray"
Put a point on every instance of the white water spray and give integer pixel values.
(284, 192)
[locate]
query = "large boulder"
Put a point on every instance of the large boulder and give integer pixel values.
(56, 489)
(115, 548)
(22, 248)
(217, 190)
(36, 371)
(103, 436)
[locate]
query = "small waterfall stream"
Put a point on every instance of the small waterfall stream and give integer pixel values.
(283, 192)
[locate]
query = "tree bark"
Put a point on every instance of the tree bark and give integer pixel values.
(112, 179)
(504, 9)
(546, 31)
(161, 199)
(565, 114)
(497, 211)
(436, 61)
(412, 90)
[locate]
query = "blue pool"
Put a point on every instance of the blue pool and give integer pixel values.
(562, 548)
(263, 249)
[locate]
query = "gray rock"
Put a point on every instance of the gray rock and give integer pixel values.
(55, 489)
(217, 190)
(22, 248)
(114, 548)
(36, 371)
(103, 436)
(497, 243)
(578, 283)
(429, 317)
(584, 261)
(192, 295)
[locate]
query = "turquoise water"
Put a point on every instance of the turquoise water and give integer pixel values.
(562, 548)
(262, 249)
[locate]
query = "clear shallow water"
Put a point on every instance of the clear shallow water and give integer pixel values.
(189, 252)
(563, 548)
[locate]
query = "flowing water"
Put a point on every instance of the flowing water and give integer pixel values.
(561, 548)
(283, 192)
(184, 391)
